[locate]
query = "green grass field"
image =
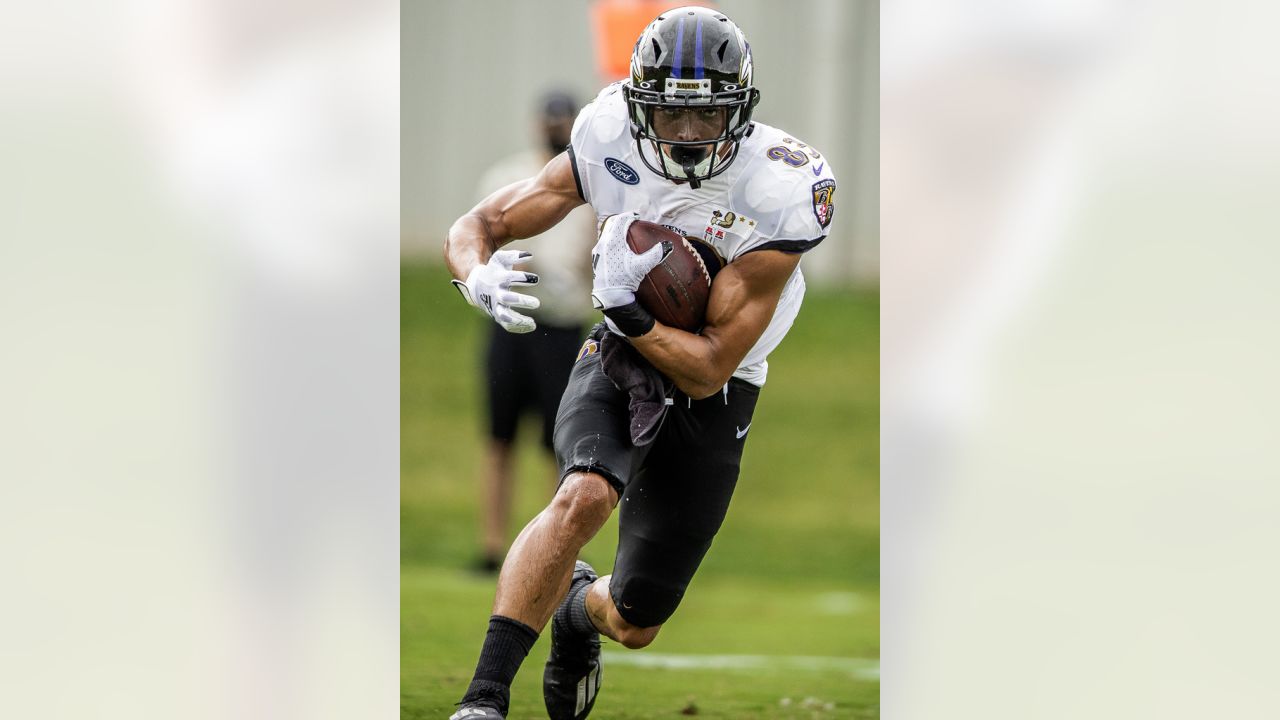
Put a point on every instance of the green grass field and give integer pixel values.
(790, 590)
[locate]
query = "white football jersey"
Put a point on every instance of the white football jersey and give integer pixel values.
(776, 195)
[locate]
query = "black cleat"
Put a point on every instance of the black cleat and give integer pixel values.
(477, 712)
(573, 676)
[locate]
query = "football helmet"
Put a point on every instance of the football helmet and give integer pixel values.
(690, 97)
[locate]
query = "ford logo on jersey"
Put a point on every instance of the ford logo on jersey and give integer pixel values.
(622, 171)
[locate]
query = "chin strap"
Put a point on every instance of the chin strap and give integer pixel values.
(689, 172)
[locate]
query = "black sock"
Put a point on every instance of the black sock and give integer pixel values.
(572, 617)
(505, 647)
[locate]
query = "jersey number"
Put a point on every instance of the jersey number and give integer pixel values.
(787, 155)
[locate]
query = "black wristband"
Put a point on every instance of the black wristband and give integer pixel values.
(631, 319)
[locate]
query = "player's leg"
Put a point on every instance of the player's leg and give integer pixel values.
(535, 576)
(671, 512)
(592, 445)
(584, 498)
(536, 573)
(593, 433)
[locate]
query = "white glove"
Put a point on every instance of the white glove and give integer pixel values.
(618, 270)
(488, 288)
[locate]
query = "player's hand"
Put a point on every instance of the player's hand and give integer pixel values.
(618, 270)
(488, 287)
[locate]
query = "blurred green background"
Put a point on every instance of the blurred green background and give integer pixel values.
(792, 575)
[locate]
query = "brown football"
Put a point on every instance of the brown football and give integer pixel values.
(676, 290)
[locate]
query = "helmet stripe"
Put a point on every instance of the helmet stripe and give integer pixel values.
(675, 65)
(697, 51)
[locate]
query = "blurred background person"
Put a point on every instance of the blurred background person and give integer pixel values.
(527, 373)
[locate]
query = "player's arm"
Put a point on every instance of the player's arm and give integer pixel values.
(524, 209)
(743, 298)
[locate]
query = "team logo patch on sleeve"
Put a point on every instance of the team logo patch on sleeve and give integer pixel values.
(824, 193)
(590, 347)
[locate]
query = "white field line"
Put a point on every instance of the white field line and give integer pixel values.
(858, 667)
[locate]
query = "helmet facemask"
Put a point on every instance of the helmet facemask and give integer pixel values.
(689, 136)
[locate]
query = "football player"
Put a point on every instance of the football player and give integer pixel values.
(674, 144)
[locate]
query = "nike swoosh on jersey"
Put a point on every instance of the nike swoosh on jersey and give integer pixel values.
(742, 431)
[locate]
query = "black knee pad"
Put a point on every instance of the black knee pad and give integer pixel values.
(649, 579)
